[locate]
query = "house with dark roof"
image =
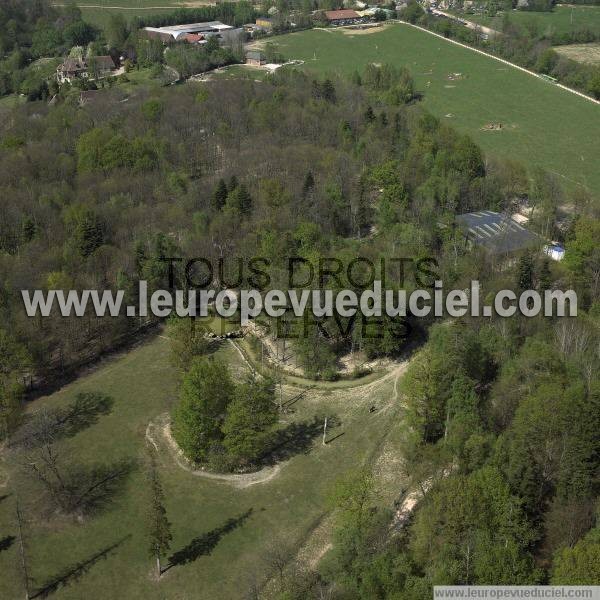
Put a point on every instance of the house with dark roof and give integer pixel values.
(497, 233)
(342, 17)
(255, 58)
(94, 67)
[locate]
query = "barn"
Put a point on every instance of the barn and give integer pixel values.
(342, 17)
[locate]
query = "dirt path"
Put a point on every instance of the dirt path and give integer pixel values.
(469, 24)
(244, 359)
(159, 432)
(318, 541)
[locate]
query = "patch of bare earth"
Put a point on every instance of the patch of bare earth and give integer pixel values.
(280, 353)
(583, 53)
(365, 29)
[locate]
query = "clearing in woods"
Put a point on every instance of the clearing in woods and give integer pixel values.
(228, 523)
(542, 124)
(584, 53)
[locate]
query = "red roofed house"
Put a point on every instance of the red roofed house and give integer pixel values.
(342, 17)
(194, 38)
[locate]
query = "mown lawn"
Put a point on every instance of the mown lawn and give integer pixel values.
(543, 125)
(282, 511)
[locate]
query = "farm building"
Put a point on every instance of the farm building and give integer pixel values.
(179, 33)
(497, 233)
(255, 58)
(194, 38)
(85, 68)
(265, 23)
(342, 17)
(252, 28)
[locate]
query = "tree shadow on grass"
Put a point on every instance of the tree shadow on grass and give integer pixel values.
(50, 425)
(292, 401)
(83, 412)
(296, 438)
(4, 497)
(94, 488)
(74, 572)
(6, 542)
(205, 543)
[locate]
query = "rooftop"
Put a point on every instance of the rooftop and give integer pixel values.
(72, 65)
(338, 15)
(497, 232)
(180, 31)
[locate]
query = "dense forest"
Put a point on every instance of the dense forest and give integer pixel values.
(96, 195)
(502, 431)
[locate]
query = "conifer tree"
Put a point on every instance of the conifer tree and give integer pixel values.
(219, 195)
(159, 526)
(545, 276)
(308, 185)
(525, 273)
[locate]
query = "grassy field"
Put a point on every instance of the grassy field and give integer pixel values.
(98, 12)
(585, 53)
(100, 16)
(227, 557)
(543, 125)
(11, 100)
(562, 19)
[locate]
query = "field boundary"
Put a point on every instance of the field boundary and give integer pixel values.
(502, 60)
(103, 6)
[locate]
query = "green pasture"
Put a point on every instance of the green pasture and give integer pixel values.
(542, 124)
(228, 556)
(563, 19)
(11, 100)
(97, 15)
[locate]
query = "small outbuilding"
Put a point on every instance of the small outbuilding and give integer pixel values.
(255, 58)
(265, 23)
(555, 251)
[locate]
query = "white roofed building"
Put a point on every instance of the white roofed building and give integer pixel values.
(178, 33)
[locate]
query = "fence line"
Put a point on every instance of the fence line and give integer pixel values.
(502, 60)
